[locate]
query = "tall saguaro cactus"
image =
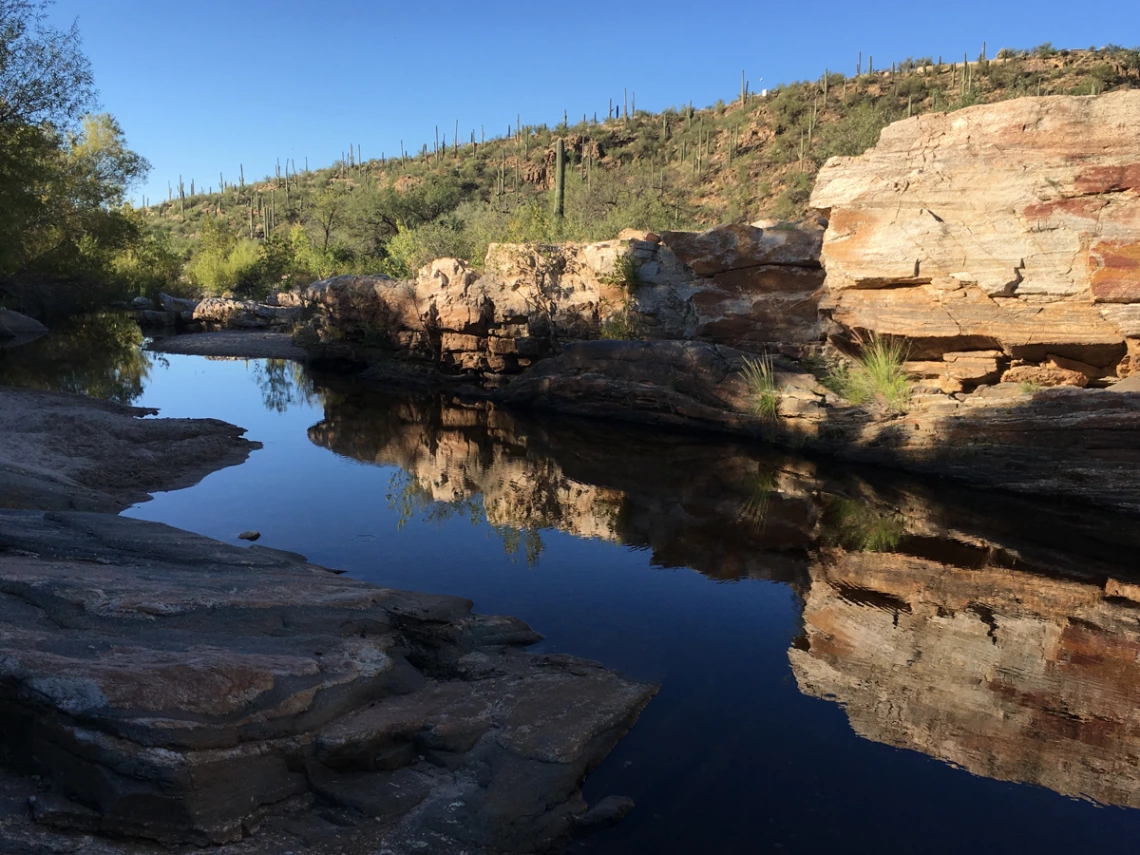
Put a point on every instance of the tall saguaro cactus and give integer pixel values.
(559, 180)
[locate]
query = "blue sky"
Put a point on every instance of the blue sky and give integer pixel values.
(202, 86)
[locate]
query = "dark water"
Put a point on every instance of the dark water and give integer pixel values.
(849, 661)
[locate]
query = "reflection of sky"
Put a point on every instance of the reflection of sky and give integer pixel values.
(729, 758)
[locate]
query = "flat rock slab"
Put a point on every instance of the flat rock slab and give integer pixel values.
(174, 689)
(235, 344)
(68, 452)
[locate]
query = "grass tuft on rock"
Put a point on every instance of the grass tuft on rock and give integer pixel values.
(878, 374)
(761, 379)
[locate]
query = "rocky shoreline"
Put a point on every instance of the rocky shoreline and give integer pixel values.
(160, 691)
(996, 245)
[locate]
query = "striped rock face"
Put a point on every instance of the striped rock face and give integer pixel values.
(1011, 226)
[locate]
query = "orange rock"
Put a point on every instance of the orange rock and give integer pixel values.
(998, 226)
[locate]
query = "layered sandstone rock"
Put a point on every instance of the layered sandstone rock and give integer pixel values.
(1011, 227)
(1083, 444)
(750, 288)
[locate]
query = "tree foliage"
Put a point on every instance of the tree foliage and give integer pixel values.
(64, 172)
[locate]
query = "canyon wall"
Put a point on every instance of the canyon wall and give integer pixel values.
(1005, 233)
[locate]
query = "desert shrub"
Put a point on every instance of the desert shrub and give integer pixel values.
(223, 262)
(624, 276)
(853, 134)
(790, 203)
(624, 325)
(411, 249)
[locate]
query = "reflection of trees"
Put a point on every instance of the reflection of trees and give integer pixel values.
(410, 498)
(96, 354)
(283, 383)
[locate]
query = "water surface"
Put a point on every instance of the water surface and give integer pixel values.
(849, 661)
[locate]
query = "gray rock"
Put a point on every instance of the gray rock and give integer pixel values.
(62, 451)
(177, 304)
(1128, 384)
(185, 687)
(142, 303)
(14, 325)
(249, 535)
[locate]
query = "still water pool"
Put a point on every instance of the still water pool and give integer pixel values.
(849, 661)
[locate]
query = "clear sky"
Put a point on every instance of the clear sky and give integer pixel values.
(204, 85)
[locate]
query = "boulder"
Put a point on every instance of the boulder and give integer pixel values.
(177, 304)
(1049, 373)
(1010, 226)
(227, 313)
(13, 325)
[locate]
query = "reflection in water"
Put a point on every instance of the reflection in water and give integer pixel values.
(993, 633)
(1010, 675)
(96, 354)
(283, 384)
(978, 631)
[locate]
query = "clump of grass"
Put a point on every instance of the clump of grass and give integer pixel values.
(761, 379)
(625, 274)
(1028, 387)
(878, 373)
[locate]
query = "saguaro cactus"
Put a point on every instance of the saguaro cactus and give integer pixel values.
(559, 179)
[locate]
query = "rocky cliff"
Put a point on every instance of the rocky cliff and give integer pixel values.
(751, 287)
(1007, 232)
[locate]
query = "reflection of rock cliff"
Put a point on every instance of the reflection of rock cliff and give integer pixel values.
(723, 509)
(1010, 675)
(987, 632)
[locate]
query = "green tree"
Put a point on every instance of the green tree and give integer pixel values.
(44, 76)
(63, 173)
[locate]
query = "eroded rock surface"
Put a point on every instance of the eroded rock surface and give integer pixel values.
(62, 452)
(176, 689)
(1011, 227)
(1053, 442)
(749, 287)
